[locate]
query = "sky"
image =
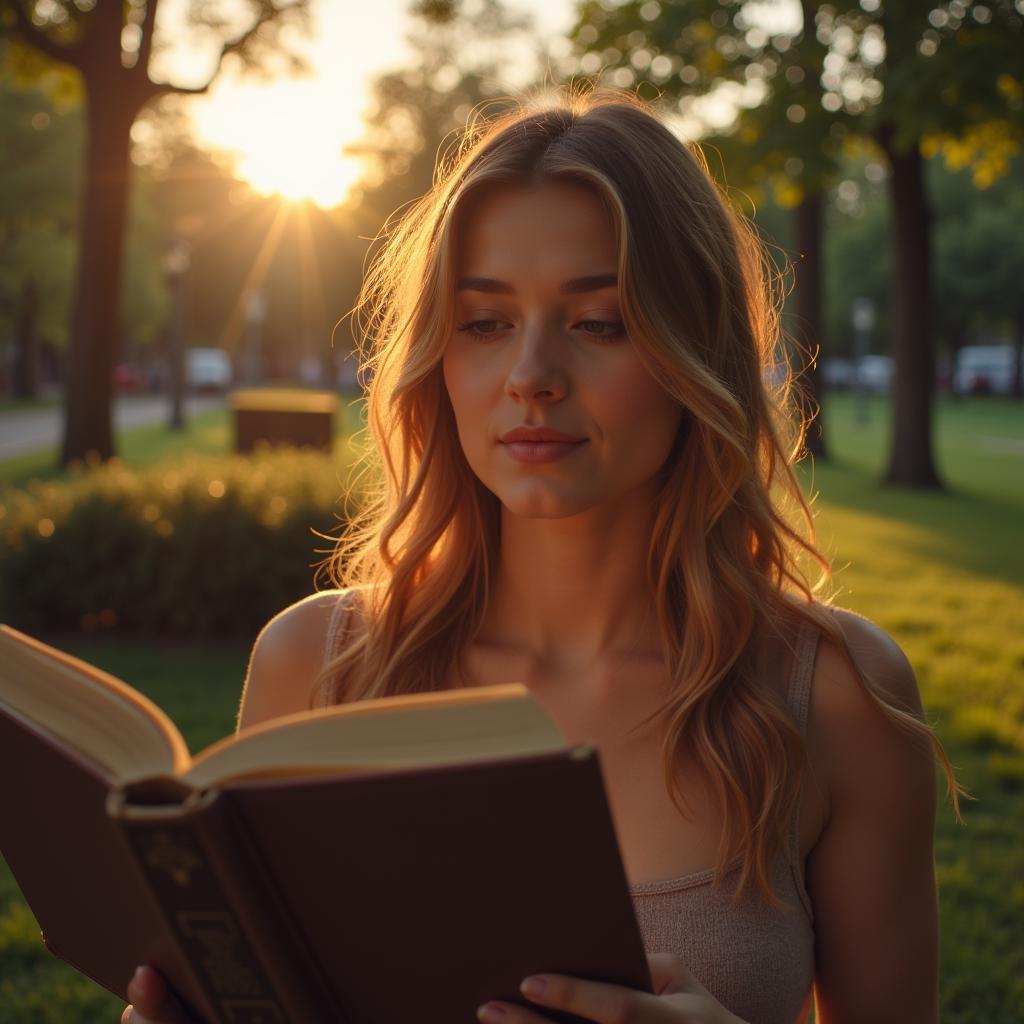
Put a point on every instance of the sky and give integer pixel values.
(288, 134)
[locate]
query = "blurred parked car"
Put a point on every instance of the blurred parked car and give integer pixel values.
(130, 378)
(875, 373)
(837, 374)
(207, 369)
(985, 370)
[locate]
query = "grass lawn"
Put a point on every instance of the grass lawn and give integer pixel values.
(24, 404)
(943, 573)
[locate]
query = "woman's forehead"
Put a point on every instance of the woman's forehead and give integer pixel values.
(559, 225)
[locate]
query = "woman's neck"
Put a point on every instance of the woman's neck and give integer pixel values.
(573, 591)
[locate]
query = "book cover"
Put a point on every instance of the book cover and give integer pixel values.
(371, 893)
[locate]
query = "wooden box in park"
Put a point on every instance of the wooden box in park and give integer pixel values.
(290, 416)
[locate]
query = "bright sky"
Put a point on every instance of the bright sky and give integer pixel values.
(288, 134)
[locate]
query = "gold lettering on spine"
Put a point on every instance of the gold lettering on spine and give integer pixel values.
(223, 959)
(198, 908)
(165, 853)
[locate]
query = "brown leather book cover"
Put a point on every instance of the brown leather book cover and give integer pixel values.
(412, 894)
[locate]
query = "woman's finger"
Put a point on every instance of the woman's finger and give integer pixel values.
(596, 1000)
(669, 974)
(152, 1002)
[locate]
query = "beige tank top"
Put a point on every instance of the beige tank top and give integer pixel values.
(756, 961)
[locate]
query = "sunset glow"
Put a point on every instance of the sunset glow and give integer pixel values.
(287, 135)
(287, 139)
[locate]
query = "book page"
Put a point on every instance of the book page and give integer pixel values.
(90, 710)
(451, 726)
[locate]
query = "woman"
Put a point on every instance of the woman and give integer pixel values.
(586, 487)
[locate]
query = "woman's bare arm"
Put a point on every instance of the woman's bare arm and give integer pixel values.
(871, 876)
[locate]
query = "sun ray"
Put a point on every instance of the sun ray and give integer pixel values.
(314, 307)
(233, 329)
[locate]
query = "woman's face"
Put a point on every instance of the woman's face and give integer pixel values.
(540, 345)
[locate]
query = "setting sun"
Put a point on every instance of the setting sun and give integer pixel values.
(285, 138)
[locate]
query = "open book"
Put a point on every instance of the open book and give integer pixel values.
(395, 859)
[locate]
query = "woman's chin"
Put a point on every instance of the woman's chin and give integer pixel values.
(544, 505)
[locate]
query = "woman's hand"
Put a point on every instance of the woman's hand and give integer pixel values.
(679, 999)
(152, 1002)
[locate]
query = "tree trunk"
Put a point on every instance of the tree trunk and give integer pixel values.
(910, 462)
(808, 223)
(25, 378)
(95, 330)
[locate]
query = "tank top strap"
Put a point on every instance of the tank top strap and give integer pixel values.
(337, 628)
(338, 624)
(804, 653)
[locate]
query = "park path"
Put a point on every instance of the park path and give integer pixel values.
(28, 430)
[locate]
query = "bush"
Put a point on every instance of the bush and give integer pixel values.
(206, 545)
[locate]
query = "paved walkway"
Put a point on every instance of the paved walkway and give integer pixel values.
(29, 430)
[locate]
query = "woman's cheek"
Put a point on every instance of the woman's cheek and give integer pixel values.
(642, 414)
(470, 408)
(630, 394)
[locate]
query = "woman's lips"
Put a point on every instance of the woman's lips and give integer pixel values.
(541, 451)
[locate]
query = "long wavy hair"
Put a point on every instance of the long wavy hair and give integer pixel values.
(733, 538)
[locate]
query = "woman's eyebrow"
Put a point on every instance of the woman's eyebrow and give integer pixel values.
(578, 285)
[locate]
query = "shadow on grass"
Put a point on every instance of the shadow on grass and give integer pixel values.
(957, 526)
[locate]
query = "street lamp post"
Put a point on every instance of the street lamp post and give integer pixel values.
(255, 314)
(863, 317)
(176, 263)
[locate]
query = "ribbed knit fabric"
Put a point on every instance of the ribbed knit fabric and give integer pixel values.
(337, 626)
(756, 961)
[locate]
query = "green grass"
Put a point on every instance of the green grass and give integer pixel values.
(978, 442)
(24, 404)
(942, 572)
(205, 433)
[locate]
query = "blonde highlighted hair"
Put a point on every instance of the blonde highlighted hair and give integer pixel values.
(732, 530)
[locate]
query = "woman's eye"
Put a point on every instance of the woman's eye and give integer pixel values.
(593, 328)
(607, 328)
(482, 328)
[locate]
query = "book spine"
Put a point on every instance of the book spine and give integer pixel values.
(242, 956)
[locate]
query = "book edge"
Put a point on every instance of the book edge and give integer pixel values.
(108, 689)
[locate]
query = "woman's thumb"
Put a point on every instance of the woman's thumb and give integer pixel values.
(151, 998)
(669, 975)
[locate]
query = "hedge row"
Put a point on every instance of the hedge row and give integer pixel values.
(205, 546)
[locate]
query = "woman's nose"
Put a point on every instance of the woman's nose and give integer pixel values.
(536, 373)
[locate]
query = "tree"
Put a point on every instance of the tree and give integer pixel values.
(912, 77)
(110, 43)
(949, 77)
(979, 256)
(783, 142)
(39, 137)
(416, 112)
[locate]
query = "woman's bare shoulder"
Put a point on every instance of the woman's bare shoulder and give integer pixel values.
(877, 656)
(287, 655)
(873, 862)
(846, 730)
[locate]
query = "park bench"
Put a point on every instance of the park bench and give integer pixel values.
(283, 416)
